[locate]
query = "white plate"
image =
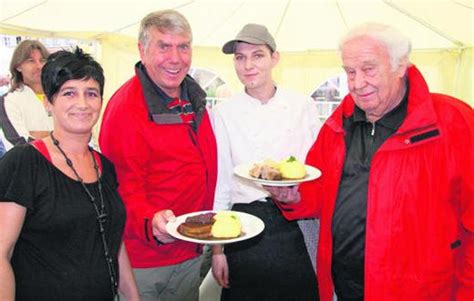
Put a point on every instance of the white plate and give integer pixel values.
(251, 227)
(243, 171)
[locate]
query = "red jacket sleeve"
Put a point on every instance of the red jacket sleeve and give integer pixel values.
(126, 153)
(465, 273)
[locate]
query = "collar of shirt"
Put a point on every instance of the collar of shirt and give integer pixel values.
(276, 101)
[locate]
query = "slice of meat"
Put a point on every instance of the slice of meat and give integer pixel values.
(198, 226)
(270, 173)
(256, 171)
(203, 218)
(195, 230)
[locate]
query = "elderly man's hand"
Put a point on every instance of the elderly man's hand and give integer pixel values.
(288, 195)
(158, 223)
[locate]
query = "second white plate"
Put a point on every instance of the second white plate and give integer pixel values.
(243, 171)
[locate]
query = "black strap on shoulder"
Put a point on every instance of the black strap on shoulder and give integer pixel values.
(9, 130)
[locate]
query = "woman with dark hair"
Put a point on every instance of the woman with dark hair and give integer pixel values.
(61, 216)
(22, 113)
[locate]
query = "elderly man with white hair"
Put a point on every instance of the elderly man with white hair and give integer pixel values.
(396, 195)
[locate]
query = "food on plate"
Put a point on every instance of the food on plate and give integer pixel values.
(287, 169)
(198, 226)
(211, 225)
(292, 169)
(268, 170)
(227, 225)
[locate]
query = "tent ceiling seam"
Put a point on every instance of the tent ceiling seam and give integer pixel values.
(424, 23)
(343, 18)
(24, 11)
(32, 31)
(282, 18)
(463, 5)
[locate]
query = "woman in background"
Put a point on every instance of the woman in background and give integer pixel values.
(23, 116)
(61, 216)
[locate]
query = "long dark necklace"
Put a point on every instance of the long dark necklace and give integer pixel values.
(100, 213)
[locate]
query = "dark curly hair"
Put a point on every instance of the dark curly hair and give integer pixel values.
(66, 65)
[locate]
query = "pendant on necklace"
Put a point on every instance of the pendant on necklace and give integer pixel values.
(102, 218)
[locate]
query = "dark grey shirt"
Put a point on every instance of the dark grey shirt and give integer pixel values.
(362, 140)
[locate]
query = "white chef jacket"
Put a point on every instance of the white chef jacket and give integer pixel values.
(248, 131)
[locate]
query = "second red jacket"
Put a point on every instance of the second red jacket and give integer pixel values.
(419, 242)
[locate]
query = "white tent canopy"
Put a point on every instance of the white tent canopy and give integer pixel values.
(298, 25)
(306, 31)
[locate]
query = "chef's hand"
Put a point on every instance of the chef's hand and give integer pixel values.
(220, 269)
(158, 223)
(287, 195)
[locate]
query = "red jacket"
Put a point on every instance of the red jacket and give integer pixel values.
(159, 166)
(420, 204)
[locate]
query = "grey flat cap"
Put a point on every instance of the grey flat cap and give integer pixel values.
(253, 34)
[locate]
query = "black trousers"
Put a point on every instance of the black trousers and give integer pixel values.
(272, 266)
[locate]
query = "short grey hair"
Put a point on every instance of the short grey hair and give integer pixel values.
(167, 20)
(398, 45)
